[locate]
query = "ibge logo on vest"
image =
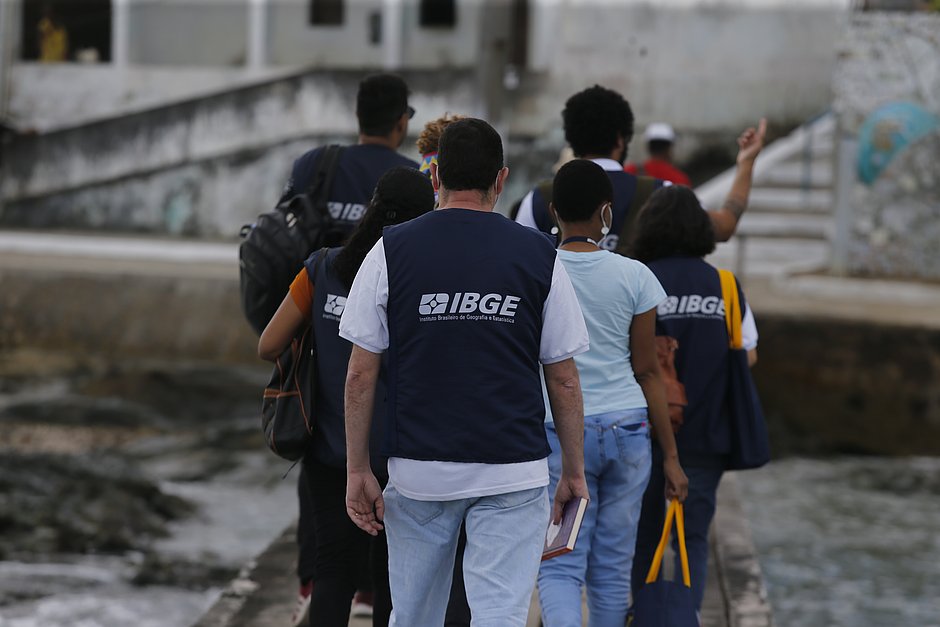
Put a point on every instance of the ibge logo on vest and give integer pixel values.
(691, 306)
(468, 306)
(333, 309)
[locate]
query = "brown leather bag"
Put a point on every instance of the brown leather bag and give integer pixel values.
(666, 348)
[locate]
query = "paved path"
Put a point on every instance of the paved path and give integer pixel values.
(263, 595)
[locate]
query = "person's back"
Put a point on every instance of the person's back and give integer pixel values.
(383, 112)
(359, 168)
(481, 282)
(611, 289)
(618, 297)
(336, 557)
(673, 236)
(468, 305)
(598, 126)
(694, 314)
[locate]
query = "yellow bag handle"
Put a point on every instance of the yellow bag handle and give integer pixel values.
(675, 511)
(729, 292)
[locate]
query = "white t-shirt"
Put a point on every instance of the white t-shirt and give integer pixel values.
(612, 290)
(365, 323)
(526, 215)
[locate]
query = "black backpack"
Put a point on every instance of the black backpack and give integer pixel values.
(276, 246)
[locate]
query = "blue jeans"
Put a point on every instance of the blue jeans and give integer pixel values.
(505, 536)
(617, 469)
(699, 509)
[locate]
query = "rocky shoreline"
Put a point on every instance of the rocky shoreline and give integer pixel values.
(101, 463)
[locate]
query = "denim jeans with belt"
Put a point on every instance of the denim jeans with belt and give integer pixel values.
(617, 469)
(505, 536)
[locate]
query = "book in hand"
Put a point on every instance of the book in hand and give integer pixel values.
(560, 539)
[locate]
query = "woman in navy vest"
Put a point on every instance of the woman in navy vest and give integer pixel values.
(317, 297)
(673, 234)
(623, 389)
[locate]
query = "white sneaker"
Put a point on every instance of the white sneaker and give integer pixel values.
(362, 605)
(301, 615)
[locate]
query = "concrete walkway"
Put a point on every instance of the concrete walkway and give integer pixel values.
(264, 593)
(49, 280)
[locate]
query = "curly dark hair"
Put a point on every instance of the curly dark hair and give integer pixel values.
(594, 119)
(672, 223)
(400, 195)
(430, 137)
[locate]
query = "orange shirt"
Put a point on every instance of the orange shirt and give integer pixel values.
(302, 292)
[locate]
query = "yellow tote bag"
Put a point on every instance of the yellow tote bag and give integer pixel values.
(667, 603)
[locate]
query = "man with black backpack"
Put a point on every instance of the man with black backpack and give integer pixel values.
(383, 112)
(325, 198)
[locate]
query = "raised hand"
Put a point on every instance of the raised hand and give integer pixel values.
(751, 142)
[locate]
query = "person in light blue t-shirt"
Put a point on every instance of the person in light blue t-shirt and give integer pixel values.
(622, 389)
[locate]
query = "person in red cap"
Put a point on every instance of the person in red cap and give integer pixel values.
(659, 140)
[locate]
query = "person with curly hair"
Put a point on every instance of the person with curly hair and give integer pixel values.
(598, 126)
(430, 137)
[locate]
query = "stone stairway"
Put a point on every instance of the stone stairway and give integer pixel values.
(788, 223)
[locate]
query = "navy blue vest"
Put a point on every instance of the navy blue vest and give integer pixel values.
(466, 293)
(329, 436)
(624, 185)
(694, 314)
(360, 167)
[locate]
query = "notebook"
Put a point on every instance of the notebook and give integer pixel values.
(560, 539)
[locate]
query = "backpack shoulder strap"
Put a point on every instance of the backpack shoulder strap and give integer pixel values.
(544, 221)
(312, 272)
(321, 183)
(645, 186)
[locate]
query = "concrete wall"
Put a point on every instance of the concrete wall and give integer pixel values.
(833, 386)
(705, 68)
(200, 167)
(890, 226)
(185, 33)
(206, 165)
(49, 96)
(702, 67)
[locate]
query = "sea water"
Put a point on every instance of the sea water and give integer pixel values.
(849, 541)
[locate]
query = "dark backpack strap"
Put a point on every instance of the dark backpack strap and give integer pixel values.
(313, 337)
(645, 186)
(323, 252)
(545, 221)
(321, 183)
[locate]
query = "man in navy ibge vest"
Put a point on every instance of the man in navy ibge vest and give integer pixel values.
(383, 112)
(467, 304)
